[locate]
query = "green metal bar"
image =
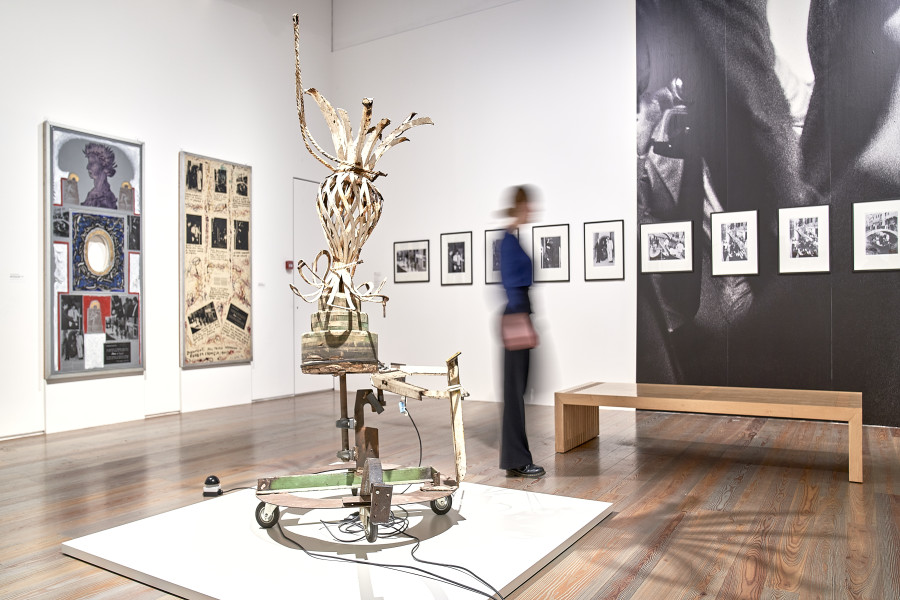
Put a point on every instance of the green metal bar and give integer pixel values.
(348, 479)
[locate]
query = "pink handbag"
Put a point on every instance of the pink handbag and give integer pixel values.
(517, 331)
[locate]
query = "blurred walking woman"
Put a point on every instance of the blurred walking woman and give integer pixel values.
(519, 338)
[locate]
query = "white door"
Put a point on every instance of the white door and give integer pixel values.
(308, 241)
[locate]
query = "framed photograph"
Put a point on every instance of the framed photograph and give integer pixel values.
(456, 258)
(550, 252)
(411, 260)
(735, 245)
(603, 246)
(492, 241)
(875, 235)
(93, 200)
(215, 236)
(804, 243)
(667, 247)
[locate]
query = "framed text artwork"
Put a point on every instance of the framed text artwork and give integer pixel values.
(411, 261)
(456, 258)
(215, 232)
(93, 264)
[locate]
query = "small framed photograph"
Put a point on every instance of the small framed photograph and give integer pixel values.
(411, 260)
(603, 246)
(550, 252)
(492, 240)
(667, 247)
(735, 246)
(875, 235)
(804, 243)
(456, 258)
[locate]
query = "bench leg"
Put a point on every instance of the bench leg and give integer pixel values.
(575, 425)
(856, 453)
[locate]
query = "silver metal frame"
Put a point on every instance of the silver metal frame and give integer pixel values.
(52, 374)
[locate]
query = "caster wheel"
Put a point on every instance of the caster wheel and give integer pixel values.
(261, 516)
(441, 506)
(371, 532)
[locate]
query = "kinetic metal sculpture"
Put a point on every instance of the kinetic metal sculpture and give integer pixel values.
(348, 202)
(349, 207)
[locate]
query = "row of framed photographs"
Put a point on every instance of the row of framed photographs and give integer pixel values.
(603, 258)
(803, 241)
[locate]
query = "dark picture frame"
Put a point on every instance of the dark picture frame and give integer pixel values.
(604, 250)
(457, 258)
(550, 252)
(412, 261)
(492, 240)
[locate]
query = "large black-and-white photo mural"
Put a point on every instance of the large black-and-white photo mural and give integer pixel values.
(761, 106)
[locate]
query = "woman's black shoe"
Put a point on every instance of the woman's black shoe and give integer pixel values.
(526, 471)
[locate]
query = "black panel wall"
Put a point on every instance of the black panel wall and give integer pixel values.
(737, 137)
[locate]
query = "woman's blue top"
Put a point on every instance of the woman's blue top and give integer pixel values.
(515, 272)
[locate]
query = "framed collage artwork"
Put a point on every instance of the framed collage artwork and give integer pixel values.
(93, 203)
(215, 257)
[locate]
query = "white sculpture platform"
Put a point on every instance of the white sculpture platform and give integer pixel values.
(215, 549)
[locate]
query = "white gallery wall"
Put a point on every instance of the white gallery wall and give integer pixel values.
(526, 91)
(531, 91)
(213, 77)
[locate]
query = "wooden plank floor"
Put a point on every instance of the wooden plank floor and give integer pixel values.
(705, 506)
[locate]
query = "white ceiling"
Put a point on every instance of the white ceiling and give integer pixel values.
(358, 21)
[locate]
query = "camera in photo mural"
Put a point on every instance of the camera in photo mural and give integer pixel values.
(93, 259)
(784, 164)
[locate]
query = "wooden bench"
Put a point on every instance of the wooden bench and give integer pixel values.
(578, 419)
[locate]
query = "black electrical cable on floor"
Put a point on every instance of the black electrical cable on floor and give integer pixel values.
(237, 488)
(411, 570)
(352, 525)
(449, 566)
(398, 526)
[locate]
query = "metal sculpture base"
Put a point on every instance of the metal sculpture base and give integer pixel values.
(370, 483)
